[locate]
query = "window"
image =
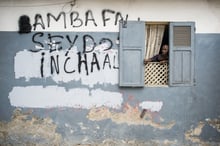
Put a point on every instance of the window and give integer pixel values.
(156, 73)
(132, 52)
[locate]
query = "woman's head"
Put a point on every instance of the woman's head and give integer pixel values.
(165, 49)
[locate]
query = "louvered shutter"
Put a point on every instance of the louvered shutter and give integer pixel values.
(182, 37)
(131, 54)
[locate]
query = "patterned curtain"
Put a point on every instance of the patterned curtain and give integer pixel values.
(154, 39)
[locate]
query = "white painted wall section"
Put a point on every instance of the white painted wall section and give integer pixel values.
(29, 65)
(153, 106)
(55, 96)
(205, 13)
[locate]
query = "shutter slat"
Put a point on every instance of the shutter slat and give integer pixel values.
(182, 36)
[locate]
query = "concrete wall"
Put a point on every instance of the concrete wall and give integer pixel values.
(82, 104)
(204, 12)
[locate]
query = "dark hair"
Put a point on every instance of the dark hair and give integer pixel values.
(160, 52)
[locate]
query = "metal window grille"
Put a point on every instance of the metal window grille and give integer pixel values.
(156, 74)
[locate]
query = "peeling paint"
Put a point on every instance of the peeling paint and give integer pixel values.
(193, 135)
(130, 116)
(29, 130)
(110, 142)
(25, 129)
(113, 142)
(215, 123)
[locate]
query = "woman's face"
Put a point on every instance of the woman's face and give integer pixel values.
(165, 49)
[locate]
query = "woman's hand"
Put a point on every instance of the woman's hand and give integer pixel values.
(146, 61)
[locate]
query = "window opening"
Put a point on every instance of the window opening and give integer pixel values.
(180, 67)
(157, 55)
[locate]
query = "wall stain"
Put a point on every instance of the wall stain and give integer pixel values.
(130, 116)
(193, 135)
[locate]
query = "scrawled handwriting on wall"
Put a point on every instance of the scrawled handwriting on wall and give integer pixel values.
(69, 57)
(74, 19)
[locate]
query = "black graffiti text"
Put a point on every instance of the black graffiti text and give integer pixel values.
(54, 42)
(83, 64)
(61, 62)
(74, 19)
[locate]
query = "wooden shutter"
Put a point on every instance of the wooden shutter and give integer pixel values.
(182, 37)
(131, 53)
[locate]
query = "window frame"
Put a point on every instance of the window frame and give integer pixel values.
(172, 49)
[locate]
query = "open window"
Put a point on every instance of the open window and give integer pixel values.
(157, 65)
(134, 42)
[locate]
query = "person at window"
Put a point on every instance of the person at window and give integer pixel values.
(162, 57)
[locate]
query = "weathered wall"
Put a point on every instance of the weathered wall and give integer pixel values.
(174, 112)
(200, 11)
(61, 88)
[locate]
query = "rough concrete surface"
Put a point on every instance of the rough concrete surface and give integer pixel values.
(25, 129)
(130, 116)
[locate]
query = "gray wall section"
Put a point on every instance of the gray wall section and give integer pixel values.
(187, 106)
